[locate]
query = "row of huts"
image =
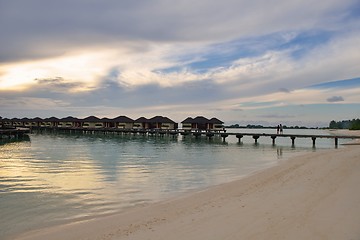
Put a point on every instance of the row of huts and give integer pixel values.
(121, 122)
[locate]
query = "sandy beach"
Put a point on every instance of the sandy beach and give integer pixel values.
(314, 196)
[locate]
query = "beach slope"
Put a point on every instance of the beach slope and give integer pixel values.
(315, 196)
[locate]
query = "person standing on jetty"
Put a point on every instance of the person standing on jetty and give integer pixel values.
(281, 129)
(278, 129)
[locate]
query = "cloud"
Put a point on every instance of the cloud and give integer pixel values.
(57, 84)
(285, 90)
(335, 99)
(158, 56)
(41, 29)
(84, 67)
(150, 50)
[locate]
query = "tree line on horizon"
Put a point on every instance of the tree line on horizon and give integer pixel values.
(345, 124)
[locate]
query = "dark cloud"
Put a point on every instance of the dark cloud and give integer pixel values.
(41, 28)
(284, 90)
(113, 94)
(335, 99)
(55, 84)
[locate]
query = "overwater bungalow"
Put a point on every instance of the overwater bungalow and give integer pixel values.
(50, 122)
(43, 123)
(216, 124)
(92, 122)
(203, 124)
(141, 123)
(123, 122)
(25, 122)
(10, 122)
(6, 122)
(163, 123)
(187, 124)
(35, 122)
(198, 123)
(108, 123)
(69, 122)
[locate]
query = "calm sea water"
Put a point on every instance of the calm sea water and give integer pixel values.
(55, 178)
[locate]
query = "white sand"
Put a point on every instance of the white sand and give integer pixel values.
(316, 196)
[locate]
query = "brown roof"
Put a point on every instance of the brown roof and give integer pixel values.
(69, 119)
(216, 121)
(160, 119)
(91, 119)
(51, 119)
(37, 119)
(141, 120)
(202, 120)
(123, 119)
(188, 120)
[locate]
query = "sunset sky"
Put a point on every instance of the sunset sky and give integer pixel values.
(295, 62)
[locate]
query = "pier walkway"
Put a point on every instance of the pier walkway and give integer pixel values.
(197, 134)
(256, 136)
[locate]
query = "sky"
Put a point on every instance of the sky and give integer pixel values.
(295, 62)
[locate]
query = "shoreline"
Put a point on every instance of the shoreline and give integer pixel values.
(349, 133)
(303, 197)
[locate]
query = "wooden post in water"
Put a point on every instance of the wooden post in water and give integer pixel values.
(224, 135)
(174, 134)
(293, 141)
(239, 136)
(197, 134)
(313, 139)
(256, 137)
(336, 142)
(273, 139)
(209, 135)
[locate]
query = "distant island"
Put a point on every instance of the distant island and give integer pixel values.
(345, 124)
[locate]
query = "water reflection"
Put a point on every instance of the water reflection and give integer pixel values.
(7, 140)
(279, 151)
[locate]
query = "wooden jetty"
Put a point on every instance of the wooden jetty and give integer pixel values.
(6, 133)
(256, 136)
(198, 133)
